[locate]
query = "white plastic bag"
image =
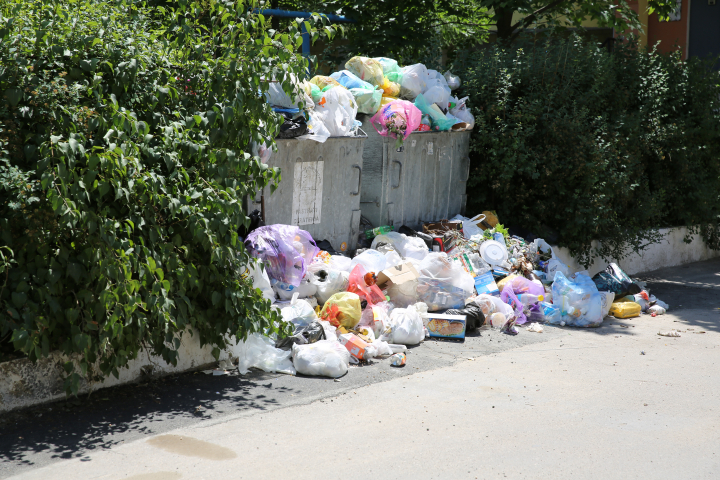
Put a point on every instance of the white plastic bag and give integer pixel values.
(330, 282)
(299, 312)
(371, 260)
(443, 283)
(555, 264)
(404, 294)
(407, 247)
(437, 92)
(339, 262)
(338, 110)
(470, 227)
(453, 81)
(414, 81)
(462, 113)
(406, 326)
(259, 351)
(490, 304)
(392, 258)
(325, 358)
(261, 280)
(316, 125)
(306, 289)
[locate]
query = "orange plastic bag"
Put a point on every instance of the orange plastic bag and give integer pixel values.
(358, 284)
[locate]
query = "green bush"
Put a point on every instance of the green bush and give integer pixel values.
(124, 163)
(575, 142)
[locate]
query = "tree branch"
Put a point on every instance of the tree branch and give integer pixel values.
(528, 20)
(464, 23)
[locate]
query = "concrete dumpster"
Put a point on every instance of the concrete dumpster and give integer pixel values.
(425, 181)
(319, 190)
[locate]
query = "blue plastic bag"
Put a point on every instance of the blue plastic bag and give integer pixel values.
(349, 80)
(579, 300)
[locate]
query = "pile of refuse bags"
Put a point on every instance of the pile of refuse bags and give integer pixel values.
(401, 287)
(400, 99)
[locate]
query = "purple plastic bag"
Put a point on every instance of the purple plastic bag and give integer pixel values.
(509, 297)
(286, 251)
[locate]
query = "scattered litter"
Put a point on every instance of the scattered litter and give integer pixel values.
(671, 333)
(534, 327)
(398, 359)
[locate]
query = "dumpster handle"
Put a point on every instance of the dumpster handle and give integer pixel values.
(354, 194)
(399, 173)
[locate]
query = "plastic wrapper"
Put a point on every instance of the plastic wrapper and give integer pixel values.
(443, 283)
(462, 113)
(414, 81)
(357, 284)
(328, 282)
(511, 299)
(406, 326)
(322, 81)
(368, 101)
(366, 69)
(371, 260)
(439, 120)
(349, 80)
(390, 89)
(388, 65)
(326, 358)
(342, 310)
(299, 312)
(579, 301)
(259, 351)
(453, 81)
(397, 119)
(285, 250)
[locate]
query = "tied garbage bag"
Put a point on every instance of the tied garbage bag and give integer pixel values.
(349, 80)
(453, 81)
(372, 260)
(292, 127)
(579, 301)
(443, 283)
(390, 89)
(414, 81)
(462, 112)
(259, 351)
(474, 316)
(406, 326)
(325, 358)
(285, 250)
(323, 82)
(328, 282)
(338, 110)
(299, 312)
(363, 284)
(436, 90)
(342, 310)
(439, 120)
(368, 101)
(397, 120)
(366, 69)
(614, 280)
(304, 334)
(388, 65)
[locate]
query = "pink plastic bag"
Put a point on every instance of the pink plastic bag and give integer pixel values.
(357, 285)
(285, 250)
(397, 119)
(522, 285)
(509, 297)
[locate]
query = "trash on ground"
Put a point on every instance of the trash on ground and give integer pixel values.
(534, 327)
(671, 333)
(398, 359)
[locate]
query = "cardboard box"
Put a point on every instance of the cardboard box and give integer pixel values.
(443, 226)
(354, 344)
(442, 242)
(446, 326)
(485, 283)
(398, 274)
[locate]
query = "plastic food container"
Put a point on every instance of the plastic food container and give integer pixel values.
(493, 252)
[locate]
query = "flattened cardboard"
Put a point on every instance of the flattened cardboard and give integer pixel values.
(399, 274)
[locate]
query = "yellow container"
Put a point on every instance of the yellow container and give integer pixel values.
(625, 309)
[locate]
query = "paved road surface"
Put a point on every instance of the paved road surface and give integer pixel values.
(567, 403)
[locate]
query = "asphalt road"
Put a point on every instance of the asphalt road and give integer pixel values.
(84, 433)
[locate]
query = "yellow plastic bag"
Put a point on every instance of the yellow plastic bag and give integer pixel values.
(625, 309)
(391, 89)
(322, 81)
(386, 100)
(342, 310)
(366, 69)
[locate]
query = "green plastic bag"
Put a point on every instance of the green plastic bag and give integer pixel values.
(439, 120)
(388, 65)
(315, 92)
(368, 101)
(395, 77)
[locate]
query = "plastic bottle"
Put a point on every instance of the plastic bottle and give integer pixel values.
(378, 231)
(528, 299)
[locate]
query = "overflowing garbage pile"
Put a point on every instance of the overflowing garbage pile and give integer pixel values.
(401, 99)
(402, 287)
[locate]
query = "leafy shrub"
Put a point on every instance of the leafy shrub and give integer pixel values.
(123, 169)
(575, 142)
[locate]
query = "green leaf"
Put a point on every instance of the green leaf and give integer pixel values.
(13, 95)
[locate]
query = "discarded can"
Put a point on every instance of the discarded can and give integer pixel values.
(398, 359)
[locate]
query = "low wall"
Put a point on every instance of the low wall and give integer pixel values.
(671, 251)
(24, 383)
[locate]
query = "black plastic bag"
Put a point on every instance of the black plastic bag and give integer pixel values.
(255, 222)
(306, 334)
(613, 279)
(293, 127)
(473, 315)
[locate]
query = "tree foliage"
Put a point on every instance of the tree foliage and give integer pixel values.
(577, 143)
(125, 160)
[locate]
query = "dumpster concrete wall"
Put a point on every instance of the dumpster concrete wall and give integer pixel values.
(424, 182)
(319, 190)
(672, 251)
(24, 383)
